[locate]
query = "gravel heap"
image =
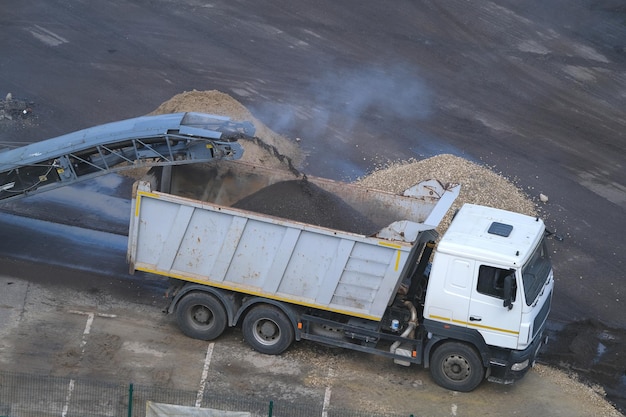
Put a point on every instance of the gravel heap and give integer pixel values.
(479, 185)
(268, 148)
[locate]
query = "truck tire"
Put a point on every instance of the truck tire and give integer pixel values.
(268, 330)
(201, 316)
(457, 367)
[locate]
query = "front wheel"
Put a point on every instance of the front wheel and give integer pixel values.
(268, 330)
(201, 316)
(457, 367)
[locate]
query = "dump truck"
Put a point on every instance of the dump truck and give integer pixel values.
(262, 249)
(288, 257)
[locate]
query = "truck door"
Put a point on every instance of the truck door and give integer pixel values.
(499, 325)
(449, 290)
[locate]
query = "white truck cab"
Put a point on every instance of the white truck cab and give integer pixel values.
(491, 285)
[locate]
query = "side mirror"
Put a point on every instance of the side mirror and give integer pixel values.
(508, 291)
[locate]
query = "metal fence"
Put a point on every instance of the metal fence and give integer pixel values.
(23, 395)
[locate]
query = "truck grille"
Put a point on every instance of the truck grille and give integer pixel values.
(541, 317)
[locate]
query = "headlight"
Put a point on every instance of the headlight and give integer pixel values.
(520, 365)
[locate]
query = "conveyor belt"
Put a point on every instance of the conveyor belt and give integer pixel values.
(170, 139)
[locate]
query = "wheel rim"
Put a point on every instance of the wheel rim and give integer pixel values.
(201, 315)
(456, 367)
(266, 332)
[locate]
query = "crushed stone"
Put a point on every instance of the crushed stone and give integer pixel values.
(479, 185)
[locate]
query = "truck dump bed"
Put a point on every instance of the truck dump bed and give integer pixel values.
(196, 232)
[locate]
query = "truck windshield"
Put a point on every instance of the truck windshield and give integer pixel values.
(535, 272)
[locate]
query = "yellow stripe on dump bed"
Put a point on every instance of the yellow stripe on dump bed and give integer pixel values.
(390, 245)
(398, 254)
(257, 293)
(140, 195)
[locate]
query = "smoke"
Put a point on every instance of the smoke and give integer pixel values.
(395, 91)
(335, 102)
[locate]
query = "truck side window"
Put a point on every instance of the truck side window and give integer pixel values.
(491, 281)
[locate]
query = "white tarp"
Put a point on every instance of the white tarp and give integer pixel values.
(168, 410)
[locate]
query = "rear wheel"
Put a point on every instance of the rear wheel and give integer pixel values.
(457, 367)
(268, 330)
(201, 316)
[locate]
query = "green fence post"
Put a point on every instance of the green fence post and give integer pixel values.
(271, 408)
(130, 400)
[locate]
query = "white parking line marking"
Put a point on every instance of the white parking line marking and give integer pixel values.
(46, 36)
(205, 374)
(83, 343)
(66, 406)
(327, 394)
(86, 313)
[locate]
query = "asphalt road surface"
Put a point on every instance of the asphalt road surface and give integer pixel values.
(536, 89)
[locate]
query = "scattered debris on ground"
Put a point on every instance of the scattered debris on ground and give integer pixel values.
(14, 109)
(15, 114)
(593, 395)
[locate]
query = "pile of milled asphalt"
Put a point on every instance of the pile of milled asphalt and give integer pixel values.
(305, 202)
(268, 148)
